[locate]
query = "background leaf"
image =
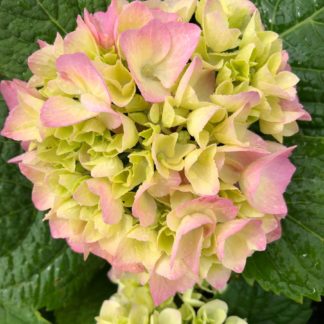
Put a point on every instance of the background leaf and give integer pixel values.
(23, 22)
(22, 314)
(86, 305)
(261, 307)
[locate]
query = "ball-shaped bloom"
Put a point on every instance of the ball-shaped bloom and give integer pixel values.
(137, 138)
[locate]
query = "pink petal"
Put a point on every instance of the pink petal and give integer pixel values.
(42, 62)
(10, 90)
(133, 16)
(218, 276)
(166, 282)
(184, 39)
(265, 180)
(78, 70)
(143, 49)
(157, 53)
(190, 233)
(112, 209)
(222, 209)
(164, 16)
(102, 24)
(61, 111)
(295, 106)
(144, 206)
(81, 40)
(42, 197)
(238, 239)
(59, 228)
(164, 186)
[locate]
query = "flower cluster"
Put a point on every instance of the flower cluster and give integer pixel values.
(138, 140)
(133, 304)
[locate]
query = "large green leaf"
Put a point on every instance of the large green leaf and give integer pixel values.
(86, 305)
(260, 307)
(23, 22)
(22, 314)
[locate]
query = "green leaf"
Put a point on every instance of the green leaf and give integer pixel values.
(294, 265)
(301, 25)
(260, 307)
(22, 314)
(23, 22)
(41, 271)
(86, 305)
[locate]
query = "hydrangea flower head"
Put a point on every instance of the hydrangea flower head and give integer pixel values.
(136, 130)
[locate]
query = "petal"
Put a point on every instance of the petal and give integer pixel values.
(234, 102)
(199, 118)
(9, 93)
(84, 196)
(201, 171)
(59, 228)
(183, 8)
(236, 160)
(164, 16)
(196, 84)
(144, 206)
(22, 124)
(78, 70)
(163, 186)
(238, 239)
(42, 62)
(112, 209)
(133, 16)
(190, 233)
(265, 180)
(143, 49)
(214, 23)
(42, 197)
(295, 106)
(61, 111)
(222, 210)
(184, 40)
(218, 276)
(102, 24)
(166, 282)
(92, 103)
(120, 83)
(170, 315)
(10, 90)
(81, 40)
(233, 130)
